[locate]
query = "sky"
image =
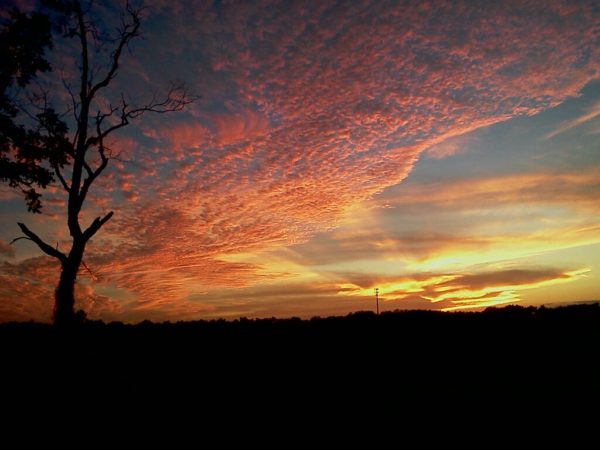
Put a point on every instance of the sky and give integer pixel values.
(445, 152)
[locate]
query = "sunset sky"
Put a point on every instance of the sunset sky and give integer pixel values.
(446, 152)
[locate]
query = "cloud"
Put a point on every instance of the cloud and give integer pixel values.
(454, 291)
(27, 292)
(284, 300)
(308, 110)
(504, 216)
(591, 114)
(368, 246)
(243, 126)
(510, 277)
(450, 147)
(6, 249)
(180, 136)
(575, 190)
(351, 292)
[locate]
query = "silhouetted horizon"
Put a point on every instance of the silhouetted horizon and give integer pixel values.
(360, 363)
(502, 310)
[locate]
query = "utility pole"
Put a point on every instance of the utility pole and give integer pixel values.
(377, 299)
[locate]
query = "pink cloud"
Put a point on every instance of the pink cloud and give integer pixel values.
(181, 136)
(6, 249)
(328, 118)
(327, 105)
(27, 292)
(450, 147)
(232, 128)
(574, 190)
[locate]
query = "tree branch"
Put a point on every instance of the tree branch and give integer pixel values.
(87, 168)
(93, 174)
(74, 102)
(18, 239)
(61, 178)
(49, 250)
(127, 33)
(83, 94)
(94, 277)
(74, 206)
(96, 225)
(176, 99)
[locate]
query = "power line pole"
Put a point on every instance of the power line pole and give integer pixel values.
(377, 299)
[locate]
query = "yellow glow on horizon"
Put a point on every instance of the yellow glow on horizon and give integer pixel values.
(407, 286)
(501, 248)
(497, 301)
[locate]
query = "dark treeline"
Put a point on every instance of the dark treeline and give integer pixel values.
(393, 358)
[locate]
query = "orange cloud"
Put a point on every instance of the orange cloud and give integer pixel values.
(451, 292)
(573, 189)
(327, 105)
(243, 126)
(6, 249)
(181, 136)
(432, 222)
(27, 292)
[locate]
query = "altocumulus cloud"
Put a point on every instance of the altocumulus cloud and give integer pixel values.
(309, 108)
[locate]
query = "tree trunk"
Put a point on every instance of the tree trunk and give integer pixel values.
(64, 296)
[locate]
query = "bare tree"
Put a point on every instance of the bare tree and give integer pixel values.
(87, 153)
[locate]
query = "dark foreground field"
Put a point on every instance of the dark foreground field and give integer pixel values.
(359, 361)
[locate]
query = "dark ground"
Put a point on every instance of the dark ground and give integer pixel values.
(361, 363)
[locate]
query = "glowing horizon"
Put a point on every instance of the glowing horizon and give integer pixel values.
(447, 154)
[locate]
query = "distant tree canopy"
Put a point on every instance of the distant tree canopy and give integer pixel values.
(31, 143)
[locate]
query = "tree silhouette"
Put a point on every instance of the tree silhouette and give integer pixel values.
(23, 41)
(79, 157)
